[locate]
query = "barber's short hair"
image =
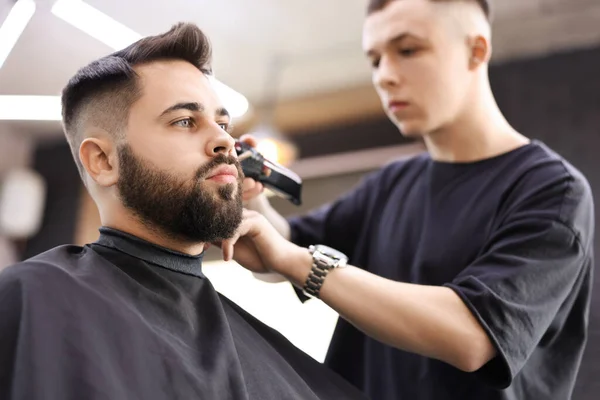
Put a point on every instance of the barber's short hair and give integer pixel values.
(102, 93)
(376, 5)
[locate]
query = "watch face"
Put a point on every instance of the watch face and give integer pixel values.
(329, 252)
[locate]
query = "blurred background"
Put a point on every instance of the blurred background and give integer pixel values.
(293, 73)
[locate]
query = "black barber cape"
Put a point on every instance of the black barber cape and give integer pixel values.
(122, 319)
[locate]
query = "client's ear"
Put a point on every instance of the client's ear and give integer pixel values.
(99, 158)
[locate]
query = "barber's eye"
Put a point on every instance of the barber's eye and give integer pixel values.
(407, 52)
(184, 123)
(375, 63)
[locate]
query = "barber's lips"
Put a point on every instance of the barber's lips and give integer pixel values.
(224, 174)
(397, 106)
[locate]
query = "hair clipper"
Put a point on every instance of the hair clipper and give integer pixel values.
(280, 180)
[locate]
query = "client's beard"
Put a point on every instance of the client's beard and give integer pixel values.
(179, 208)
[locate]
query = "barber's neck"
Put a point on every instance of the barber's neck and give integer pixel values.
(118, 217)
(479, 132)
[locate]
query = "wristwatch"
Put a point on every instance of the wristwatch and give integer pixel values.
(324, 260)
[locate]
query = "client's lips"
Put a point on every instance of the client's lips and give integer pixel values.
(224, 174)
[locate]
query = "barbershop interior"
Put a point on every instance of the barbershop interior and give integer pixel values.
(350, 109)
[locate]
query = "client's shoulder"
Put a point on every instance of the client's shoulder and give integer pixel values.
(45, 269)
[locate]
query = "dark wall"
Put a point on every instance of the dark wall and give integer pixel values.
(361, 135)
(55, 163)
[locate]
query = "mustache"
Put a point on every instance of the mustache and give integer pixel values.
(220, 159)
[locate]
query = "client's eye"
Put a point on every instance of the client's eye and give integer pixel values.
(225, 127)
(184, 123)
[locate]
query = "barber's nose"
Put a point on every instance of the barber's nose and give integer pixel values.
(387, 74)
(221, 143)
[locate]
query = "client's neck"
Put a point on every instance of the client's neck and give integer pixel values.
(126, 222)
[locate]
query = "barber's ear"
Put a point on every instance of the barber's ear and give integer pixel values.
(99, 157)
(480, 51)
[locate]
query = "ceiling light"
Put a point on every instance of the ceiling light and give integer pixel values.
(117, 36)
(95, 23)
(14, 25)
(48, 108)
(30, 108)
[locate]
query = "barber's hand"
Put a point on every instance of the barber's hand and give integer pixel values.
(251, 188)
(257, 246)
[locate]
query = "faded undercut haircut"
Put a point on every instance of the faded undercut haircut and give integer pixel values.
(102, 93)
(376, 5)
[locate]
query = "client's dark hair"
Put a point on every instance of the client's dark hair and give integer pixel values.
(102, 93)
(376, 5)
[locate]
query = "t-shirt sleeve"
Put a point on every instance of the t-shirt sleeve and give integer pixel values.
(339, 223)
(523, 277)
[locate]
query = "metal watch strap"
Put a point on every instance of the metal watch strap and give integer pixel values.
(316, 277)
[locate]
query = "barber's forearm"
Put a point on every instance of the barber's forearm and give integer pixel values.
(262, 205)
(428, 320)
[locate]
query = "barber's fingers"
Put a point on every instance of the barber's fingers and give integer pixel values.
(227, 247)
(249, 139)
(249, 184)
(246, 227)
(251, 189)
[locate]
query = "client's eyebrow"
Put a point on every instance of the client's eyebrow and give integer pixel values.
(195, 107)
(222, 112)
(192, 106)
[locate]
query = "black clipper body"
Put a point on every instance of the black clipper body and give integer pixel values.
(275, 177)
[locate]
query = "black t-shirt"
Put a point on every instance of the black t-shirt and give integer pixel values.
(121, 319)
(512, 235)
